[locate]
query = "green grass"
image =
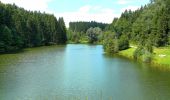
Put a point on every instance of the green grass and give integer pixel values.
(161, 56)
(128, 53)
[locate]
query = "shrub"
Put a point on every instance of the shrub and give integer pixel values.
(123, 43)
(111, 46)
(144, 53)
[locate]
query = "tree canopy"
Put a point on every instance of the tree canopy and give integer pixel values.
(151, 22)
(20, 28)
(84, 26)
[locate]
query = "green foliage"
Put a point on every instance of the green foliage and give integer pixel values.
(76, 37)
(61, 31)
(138, 52)
(110, 46)
(123, 42)
(107, 34)
(148, 26)
(2, 47)
(78, 32)
(21, 28)
(6, 35)
(151, 22)
(84, 26)
(111, 27)
(144, 52)
(93, 34)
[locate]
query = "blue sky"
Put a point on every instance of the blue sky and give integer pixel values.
(81, 10)
(73, 5)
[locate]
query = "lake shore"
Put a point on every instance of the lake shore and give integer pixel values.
(161, 56)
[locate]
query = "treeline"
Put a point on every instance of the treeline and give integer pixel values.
(84, 26)
(149, 23)
(85, 32)
(146, 27)
(20, 28)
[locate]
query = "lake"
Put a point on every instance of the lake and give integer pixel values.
(79, 72)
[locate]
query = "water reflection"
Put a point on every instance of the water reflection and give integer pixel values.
(78, 72)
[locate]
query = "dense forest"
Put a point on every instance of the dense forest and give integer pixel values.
(20, 28)
(146, 27)
(84, 26)
(80, 32)
(149, 24)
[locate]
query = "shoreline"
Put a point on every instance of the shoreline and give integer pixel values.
(161, 56)
(157, 60)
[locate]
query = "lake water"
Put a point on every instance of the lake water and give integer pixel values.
(78, 72)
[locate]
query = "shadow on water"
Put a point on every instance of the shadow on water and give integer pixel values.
(23, 50)
(14, 52)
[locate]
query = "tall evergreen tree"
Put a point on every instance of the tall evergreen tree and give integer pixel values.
(21, 28)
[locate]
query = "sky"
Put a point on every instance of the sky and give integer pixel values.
(81, 10)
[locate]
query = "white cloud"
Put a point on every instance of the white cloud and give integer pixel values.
(97, 7)
(99, 14)
(85, 9)
(39, 5)
(85, 13)
(123, 2)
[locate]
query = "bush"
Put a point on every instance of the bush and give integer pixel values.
(93, 34)
(2, 47)
(144, 53)
(114, 45)
(123, 43)
(138, 52)
(111, 46)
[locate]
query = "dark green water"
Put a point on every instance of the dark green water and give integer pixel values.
(78, 72)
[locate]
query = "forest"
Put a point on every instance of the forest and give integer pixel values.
(147, 28)
(85, 32)
(42, 58)
(21, 29)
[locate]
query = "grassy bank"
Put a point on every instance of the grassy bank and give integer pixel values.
(161, 56)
